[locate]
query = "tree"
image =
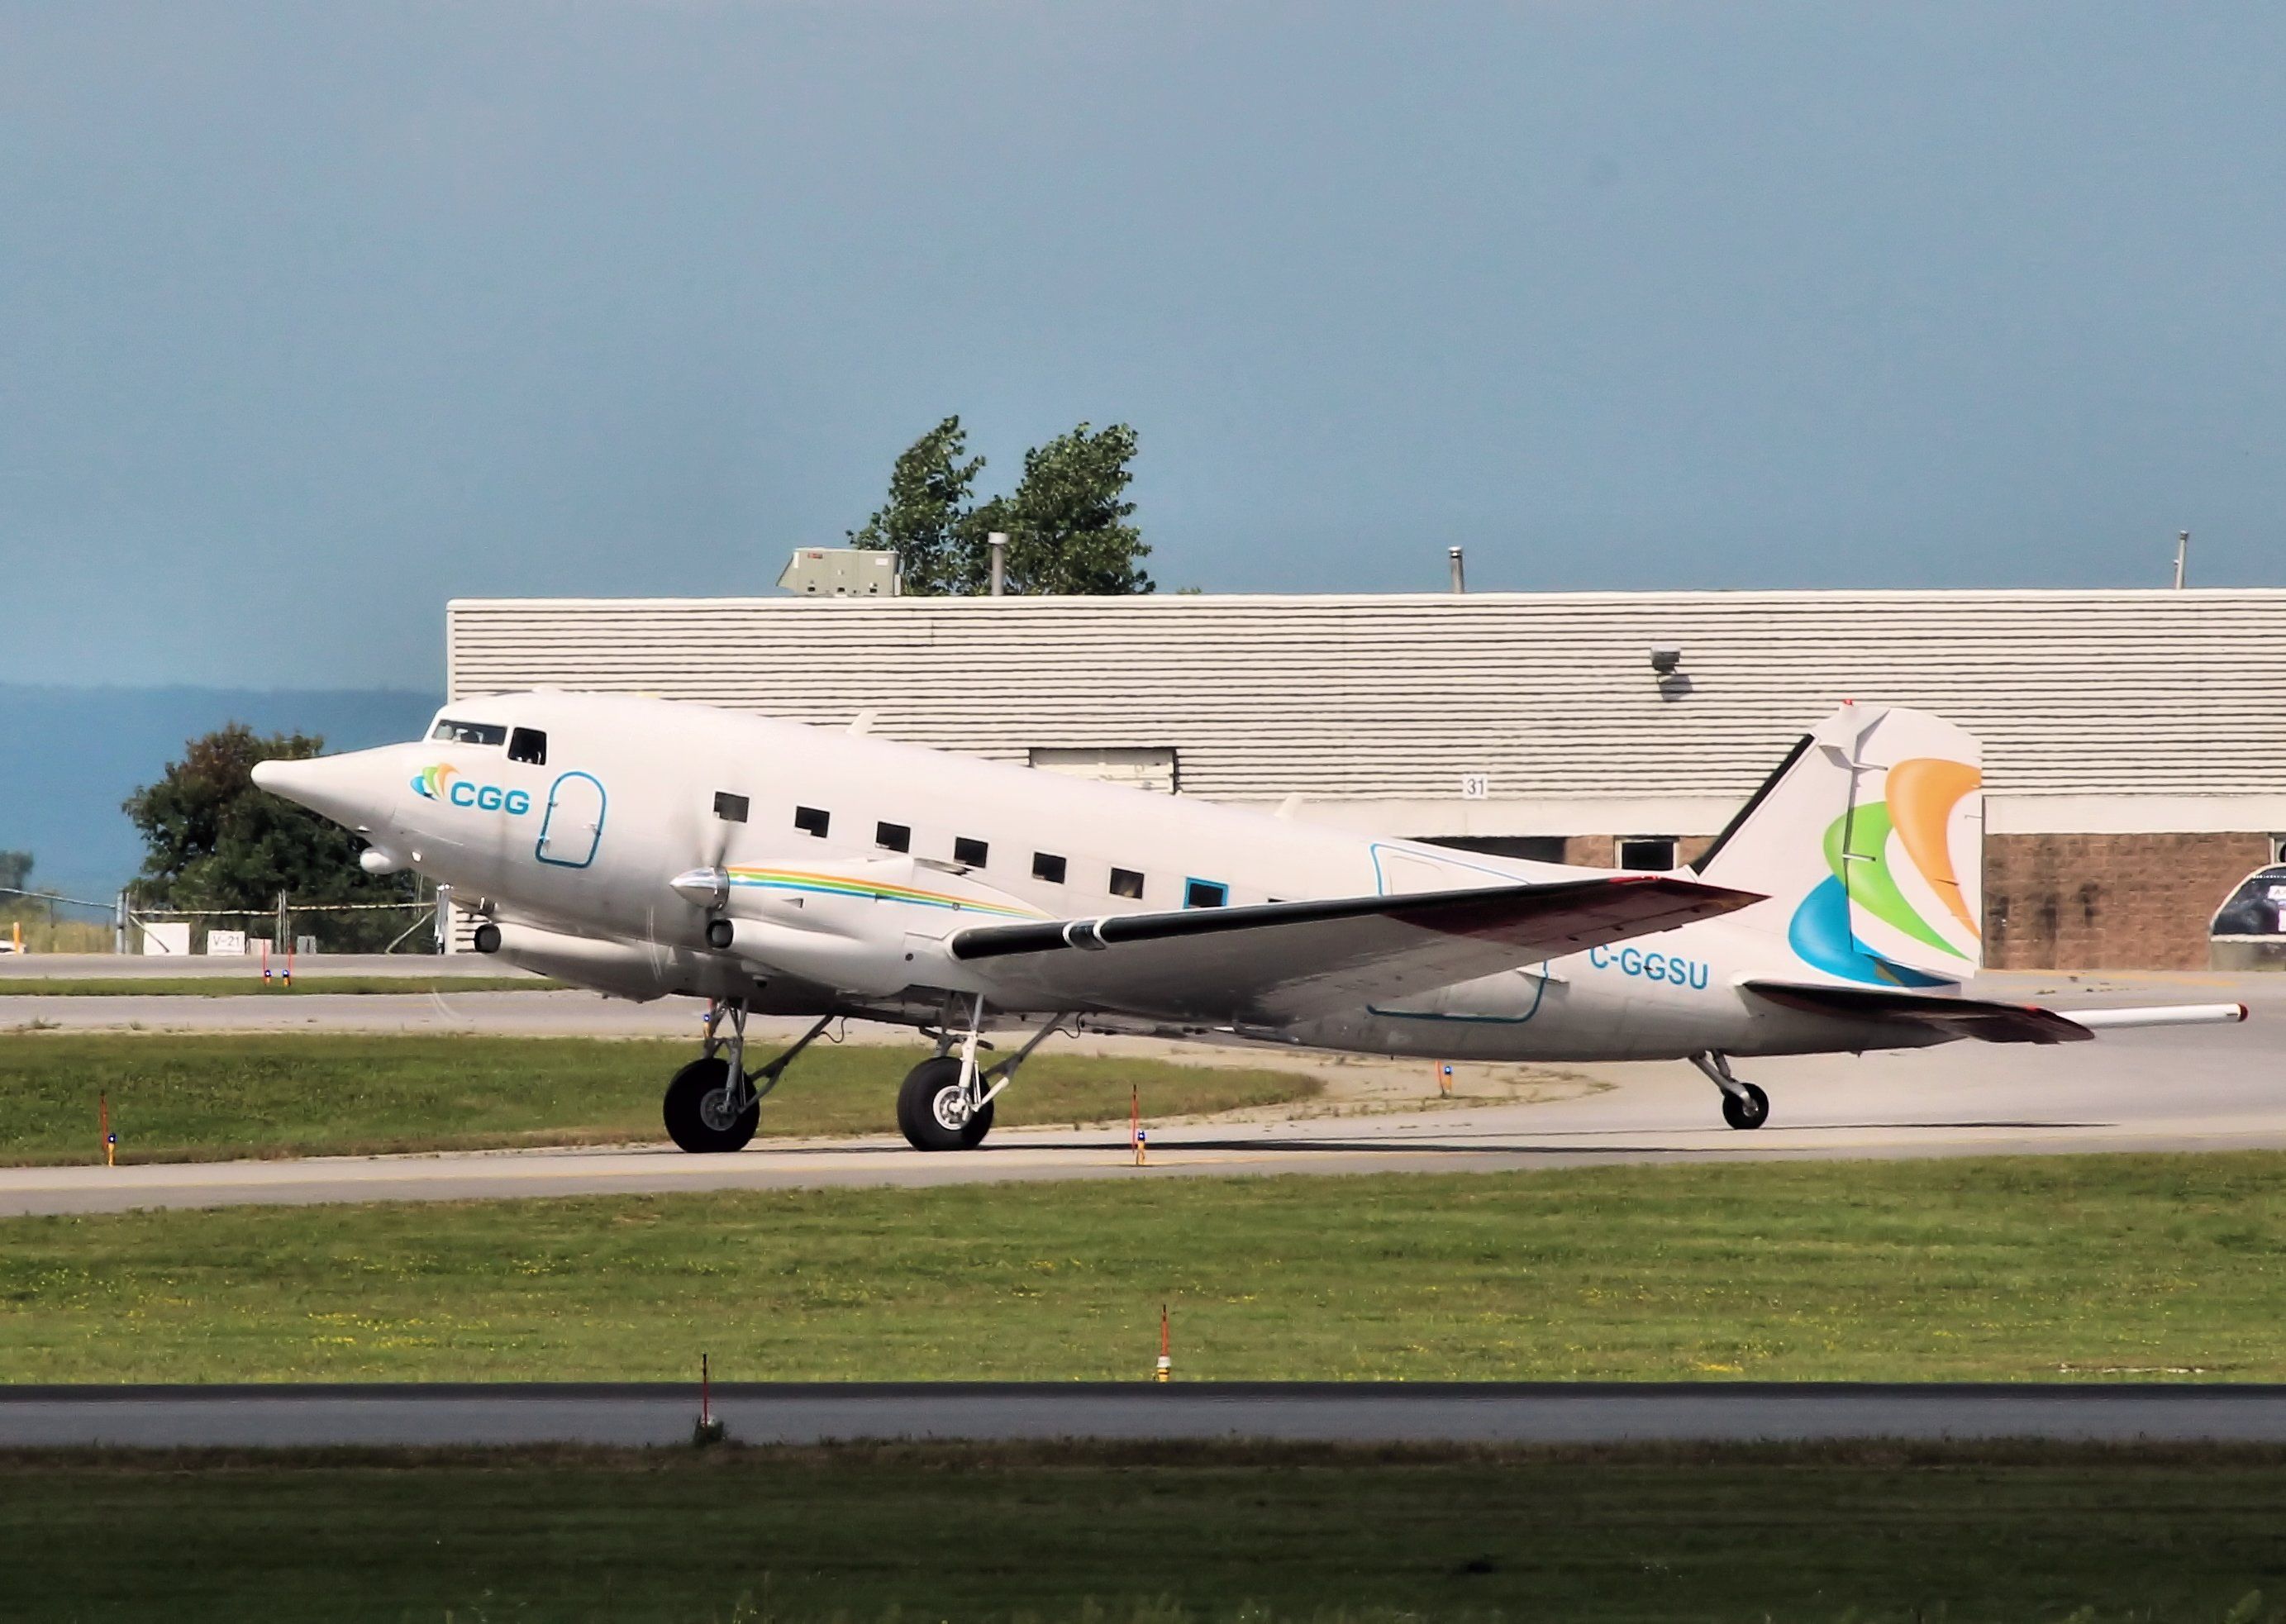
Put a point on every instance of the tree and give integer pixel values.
(1066, 524)
(15, 872)
(929, 491)
(216, 841)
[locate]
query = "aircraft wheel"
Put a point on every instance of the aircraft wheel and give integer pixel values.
(1752, 1112)
(931, 1113)
(698, 1109)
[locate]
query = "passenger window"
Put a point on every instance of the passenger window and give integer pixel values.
(1126, 882)
(730, 808)
(1047, 866)
(893, 837)
(529, 746)
(971, 852)
(809, 820)
(1205, 893)
(469, 733)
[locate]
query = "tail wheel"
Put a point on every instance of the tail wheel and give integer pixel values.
(701, 1114)
(931, 1113)
(1751, 1112)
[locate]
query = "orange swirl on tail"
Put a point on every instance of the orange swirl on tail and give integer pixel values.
(1922, 793)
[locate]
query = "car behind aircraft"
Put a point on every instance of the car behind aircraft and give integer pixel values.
(644, 848)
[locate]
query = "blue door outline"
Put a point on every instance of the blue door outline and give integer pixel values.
(575, 845)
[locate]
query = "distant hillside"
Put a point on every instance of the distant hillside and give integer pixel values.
(73, 754)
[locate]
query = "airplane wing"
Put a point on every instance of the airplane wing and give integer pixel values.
(1955, 1017)
(1277, 962)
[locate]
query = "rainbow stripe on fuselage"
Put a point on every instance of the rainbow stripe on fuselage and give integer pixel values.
(802, 882)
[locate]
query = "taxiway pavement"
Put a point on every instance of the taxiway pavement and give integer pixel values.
(634, 1415)
(176, 966)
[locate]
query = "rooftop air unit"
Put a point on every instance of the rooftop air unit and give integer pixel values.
(840, 572)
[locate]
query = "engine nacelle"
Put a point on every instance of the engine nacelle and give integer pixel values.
(633, 970)
(870, 927)
(870, 966)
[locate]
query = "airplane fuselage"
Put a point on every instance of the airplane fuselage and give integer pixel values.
(575, 814)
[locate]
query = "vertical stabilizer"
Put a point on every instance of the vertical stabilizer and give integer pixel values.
(1871, 836)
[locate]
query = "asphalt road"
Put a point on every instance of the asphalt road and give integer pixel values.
(2203, 1088)
(538, 1013)
(1362, 1412)
(130, 967)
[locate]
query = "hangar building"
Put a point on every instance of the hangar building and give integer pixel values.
(2135, 741)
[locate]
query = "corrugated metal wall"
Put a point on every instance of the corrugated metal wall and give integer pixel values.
(1396, 698)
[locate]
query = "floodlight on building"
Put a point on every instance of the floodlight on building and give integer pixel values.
(1666, 658)
(840, 572)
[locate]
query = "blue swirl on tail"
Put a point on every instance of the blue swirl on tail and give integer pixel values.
(1820, 936)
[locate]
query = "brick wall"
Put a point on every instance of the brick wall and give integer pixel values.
(1601, 851)
(2109, 901)
(1590, 851)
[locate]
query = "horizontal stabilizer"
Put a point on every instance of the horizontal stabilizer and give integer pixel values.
(1284, 961)
(1955, 1017)
(2160, 1014)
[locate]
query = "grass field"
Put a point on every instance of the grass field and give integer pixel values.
(64, 934)
(1114, 1535)
(2078, 1267)
(174, 1097)
(250, 985)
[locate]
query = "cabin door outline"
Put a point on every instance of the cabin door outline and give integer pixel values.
(574, 826)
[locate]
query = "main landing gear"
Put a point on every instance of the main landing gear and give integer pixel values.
(1744, 1106)
(945, 1103)
(714, 1103)
(704, 1110)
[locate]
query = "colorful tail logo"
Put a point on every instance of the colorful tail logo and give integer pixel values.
(1921, 795)
(430, 782)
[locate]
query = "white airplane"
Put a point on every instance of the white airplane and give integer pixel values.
(641, 847)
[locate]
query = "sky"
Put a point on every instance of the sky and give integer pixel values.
(314, 317)
(75, 753)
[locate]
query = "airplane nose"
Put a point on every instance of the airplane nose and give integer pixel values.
(351, 789)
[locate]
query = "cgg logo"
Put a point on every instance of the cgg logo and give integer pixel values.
(492, 798)
(443, 782)
(1666, 967)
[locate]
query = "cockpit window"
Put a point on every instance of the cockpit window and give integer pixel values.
(469, 733)
(528, 744)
